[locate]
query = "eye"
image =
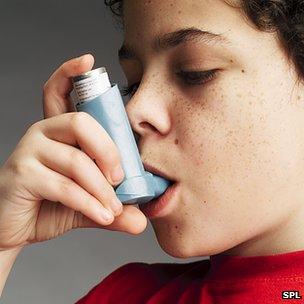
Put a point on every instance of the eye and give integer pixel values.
(197, 77)
(189, 77)
(129, 90)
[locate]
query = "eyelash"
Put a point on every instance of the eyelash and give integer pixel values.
(189, 77)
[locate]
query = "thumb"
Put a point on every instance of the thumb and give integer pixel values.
(56, 99)
(131, 221)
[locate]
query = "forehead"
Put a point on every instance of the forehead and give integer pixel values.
(147, 19)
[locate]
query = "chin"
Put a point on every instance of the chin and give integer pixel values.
(179, 244)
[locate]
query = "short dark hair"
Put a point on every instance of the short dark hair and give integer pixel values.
(285, 17)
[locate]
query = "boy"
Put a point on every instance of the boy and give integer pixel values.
(217, 104)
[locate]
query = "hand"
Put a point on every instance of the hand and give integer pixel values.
(59, 177)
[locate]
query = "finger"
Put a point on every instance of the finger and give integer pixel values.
(81, 129)
(77, 165)
(48, 184)
(132, 221)
(56, 91)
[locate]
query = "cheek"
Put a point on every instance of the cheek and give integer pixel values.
(239, 152)
(200, 127)
(241, 147)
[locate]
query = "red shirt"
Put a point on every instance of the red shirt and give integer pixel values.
(218, 280)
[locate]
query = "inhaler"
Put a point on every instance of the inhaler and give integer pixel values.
(103, 101)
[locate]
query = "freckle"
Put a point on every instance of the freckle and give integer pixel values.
(231, 60)
(205, 202)
(179, 12)
(176, 141)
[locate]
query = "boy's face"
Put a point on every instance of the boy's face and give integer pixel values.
(235, 144)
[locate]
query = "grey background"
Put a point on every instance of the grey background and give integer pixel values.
(36, 37)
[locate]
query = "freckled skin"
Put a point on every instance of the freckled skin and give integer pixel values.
(235, 144)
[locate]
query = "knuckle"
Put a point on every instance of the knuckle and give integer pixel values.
(85, 208)
(31, 138)
(78, 120)
(116, 155)
(114, 161)
(112, 153)
(65, 186)
(20, 168)
(70, 65)
(77, 158)
(35, 127)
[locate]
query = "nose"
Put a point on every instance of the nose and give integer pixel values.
(148, 110)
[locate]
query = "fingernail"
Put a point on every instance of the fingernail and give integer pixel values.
(107, 215)
(116, 206)
(117, 174)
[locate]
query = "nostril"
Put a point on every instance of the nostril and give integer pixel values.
(147, 125)
(136, 136)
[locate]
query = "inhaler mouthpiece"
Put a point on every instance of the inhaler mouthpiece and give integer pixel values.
(103, 101)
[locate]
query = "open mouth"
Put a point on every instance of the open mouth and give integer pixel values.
(158, 172)
(162, 205)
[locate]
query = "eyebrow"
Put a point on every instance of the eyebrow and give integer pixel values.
(175, 38)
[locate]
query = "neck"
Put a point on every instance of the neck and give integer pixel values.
(286, 236)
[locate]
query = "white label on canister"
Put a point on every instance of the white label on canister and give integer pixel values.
(92, 87)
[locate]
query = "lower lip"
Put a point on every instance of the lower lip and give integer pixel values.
(162, 205)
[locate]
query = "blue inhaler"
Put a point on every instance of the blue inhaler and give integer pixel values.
(97, 97)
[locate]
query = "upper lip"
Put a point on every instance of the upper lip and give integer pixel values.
(156, 171)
